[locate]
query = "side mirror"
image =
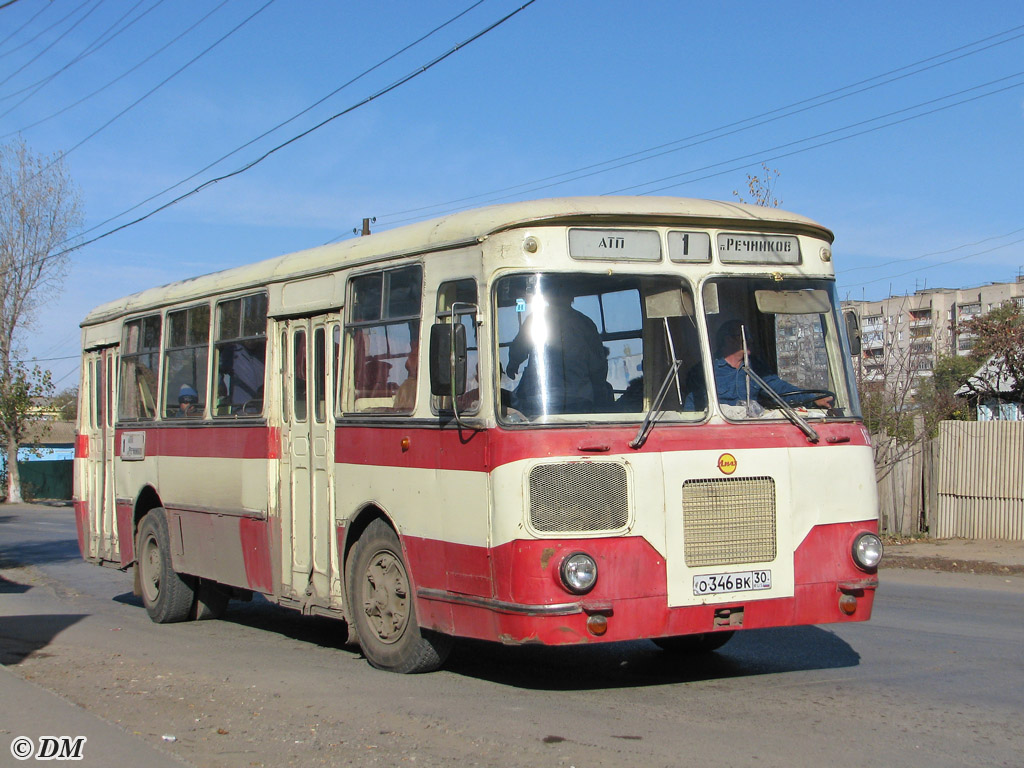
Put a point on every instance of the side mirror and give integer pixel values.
(853, 331)
(447, 359)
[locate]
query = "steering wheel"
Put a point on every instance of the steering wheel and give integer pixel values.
(802, 397)
(253, 407)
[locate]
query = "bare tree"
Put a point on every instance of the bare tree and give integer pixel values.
(761, 188)
(39, 211)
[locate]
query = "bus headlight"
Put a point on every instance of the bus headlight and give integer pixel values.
(867, 551)
(579, 573)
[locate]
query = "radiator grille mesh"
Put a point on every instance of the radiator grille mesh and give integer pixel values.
(729, 520)
(579, 496)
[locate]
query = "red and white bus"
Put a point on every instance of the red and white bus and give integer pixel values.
(560, 422)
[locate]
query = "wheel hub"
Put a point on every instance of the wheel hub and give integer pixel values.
(386, 596)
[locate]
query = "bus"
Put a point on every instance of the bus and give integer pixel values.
(564, 421)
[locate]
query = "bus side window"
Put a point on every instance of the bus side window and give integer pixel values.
(239, 356)
(185, 359)
(463, 295)
(140, 357)
(383, 330)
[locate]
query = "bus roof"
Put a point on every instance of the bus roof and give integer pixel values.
(458, 230)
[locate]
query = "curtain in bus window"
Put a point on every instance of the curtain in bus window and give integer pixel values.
(186, 346)
(240, 356)
(139, 361)
(384, 332)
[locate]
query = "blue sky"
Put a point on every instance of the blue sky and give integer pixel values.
(931, 200)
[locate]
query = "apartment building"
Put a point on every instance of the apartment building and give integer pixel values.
(902, 335)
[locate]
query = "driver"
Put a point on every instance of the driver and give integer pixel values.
(731, 382)
(568, 368)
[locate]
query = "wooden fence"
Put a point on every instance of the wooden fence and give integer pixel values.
(966, 483)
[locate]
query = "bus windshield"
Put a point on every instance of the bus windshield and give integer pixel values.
(775, 344)
(595, 347)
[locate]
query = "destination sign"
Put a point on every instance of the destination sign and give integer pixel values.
(689, 247)
(615, 244)
(753, 248)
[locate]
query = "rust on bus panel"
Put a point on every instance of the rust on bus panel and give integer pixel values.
(545, 557)
(507, 639)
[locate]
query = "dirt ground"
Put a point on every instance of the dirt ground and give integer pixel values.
(998, 558)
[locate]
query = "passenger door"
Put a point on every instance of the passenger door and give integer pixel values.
(309, 352)
(97, 479)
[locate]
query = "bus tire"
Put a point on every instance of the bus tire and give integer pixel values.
(382, 607)
(167, 595)
(694, 644)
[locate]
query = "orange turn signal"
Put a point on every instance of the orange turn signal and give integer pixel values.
(848, 604)
(597, 624)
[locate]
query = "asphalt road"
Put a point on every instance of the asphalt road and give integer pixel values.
(935, 679)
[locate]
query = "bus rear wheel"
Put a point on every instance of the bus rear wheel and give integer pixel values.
(167, 595)
(694, 644)
(382, 608)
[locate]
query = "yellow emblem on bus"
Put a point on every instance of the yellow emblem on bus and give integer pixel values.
(727, 463)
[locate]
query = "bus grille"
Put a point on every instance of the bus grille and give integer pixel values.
(729, 520)
(579, 496)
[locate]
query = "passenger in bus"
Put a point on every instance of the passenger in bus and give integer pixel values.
(188, 403)
(632, 399)
(241, 376)
(405, 396)
(568, 365)
(731, 383)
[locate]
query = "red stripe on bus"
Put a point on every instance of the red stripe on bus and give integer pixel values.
(483, 451)
(81, 446)
(206, 442)
(420, 447)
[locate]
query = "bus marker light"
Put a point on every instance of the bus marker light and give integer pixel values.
(405, 444)
(848, 604)
(597, 624)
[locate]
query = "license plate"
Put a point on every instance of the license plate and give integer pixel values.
(723, 583)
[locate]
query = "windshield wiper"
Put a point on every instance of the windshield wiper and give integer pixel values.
(655, 409)
(787, 409)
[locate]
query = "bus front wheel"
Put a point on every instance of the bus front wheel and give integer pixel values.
(167, 595)
(382, 609)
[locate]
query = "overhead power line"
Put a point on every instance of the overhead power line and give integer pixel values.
(90, 49)
(935, 253)
(120, 77)
(754, 159)
(39, 34)
(161, 84)
(373, 97)
(14, 33)
(729, 129)
(760, 153)
(935, 266)
(60, 37)
(283, 123)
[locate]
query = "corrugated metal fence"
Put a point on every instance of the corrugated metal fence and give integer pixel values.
(966, 483)
(980, 480)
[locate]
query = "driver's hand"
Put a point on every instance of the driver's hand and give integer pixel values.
(825, 402)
